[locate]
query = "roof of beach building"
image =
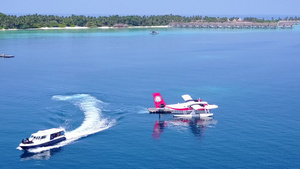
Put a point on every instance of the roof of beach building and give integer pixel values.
(120, 25)
(287, 23)
(48, 131)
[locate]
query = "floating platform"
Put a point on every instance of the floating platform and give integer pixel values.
(7, 56)
(159, 111)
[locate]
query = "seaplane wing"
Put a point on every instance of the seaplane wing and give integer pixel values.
(187, 98)
(196, 107)
(211, 106)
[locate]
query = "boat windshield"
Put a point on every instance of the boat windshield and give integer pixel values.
(37, 137)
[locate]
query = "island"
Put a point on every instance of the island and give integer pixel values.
(37, 21)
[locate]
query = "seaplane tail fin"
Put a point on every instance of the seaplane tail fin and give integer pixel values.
(158, 100)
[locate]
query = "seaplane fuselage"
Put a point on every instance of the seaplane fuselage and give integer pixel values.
(187, 106)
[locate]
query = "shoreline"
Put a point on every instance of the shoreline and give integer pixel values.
(82, 27)
(176, 25)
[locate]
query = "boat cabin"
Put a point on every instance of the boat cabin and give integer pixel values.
(44, 135)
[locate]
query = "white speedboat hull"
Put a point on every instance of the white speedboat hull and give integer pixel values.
(44, 144)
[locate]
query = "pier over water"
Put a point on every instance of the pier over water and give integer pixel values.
(235, 24)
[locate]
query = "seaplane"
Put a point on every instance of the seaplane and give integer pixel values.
(190, 109)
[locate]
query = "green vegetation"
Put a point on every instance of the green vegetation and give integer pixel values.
(38, 21)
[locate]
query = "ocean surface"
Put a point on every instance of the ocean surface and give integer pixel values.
(98, 84)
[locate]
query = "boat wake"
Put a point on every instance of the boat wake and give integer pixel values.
(93, 119)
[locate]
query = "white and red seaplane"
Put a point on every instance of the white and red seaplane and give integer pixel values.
(191, 108)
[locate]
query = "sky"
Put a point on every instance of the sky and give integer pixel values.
(153, 7)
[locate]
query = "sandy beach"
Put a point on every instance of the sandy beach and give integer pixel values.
(76, 27)
(103, 27)
(79, 27)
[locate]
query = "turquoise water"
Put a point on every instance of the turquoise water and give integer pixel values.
(98, 84)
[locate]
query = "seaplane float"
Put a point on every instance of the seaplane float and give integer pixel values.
(191, 108)
(43, 138)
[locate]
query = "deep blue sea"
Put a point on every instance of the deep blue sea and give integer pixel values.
(98, 84)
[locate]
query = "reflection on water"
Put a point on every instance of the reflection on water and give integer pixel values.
(44, 155)
(196, 125)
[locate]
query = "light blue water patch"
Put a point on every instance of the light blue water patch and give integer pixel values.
(96, 32)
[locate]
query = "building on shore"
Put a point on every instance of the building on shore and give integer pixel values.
(120, 25)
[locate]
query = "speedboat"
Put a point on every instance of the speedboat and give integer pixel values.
(6, 56)
(44, 138)
(154, 33)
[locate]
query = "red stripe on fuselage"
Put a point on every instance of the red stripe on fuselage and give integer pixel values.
(182, 109)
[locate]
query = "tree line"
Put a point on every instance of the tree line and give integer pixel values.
(38, 21)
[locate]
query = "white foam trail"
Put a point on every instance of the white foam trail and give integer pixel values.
(39, 156)
(93, 121)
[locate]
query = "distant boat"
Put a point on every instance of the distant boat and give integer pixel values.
(154, 33)
(6, 56)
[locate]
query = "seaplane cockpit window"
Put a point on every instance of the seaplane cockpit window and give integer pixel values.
(43, 137)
